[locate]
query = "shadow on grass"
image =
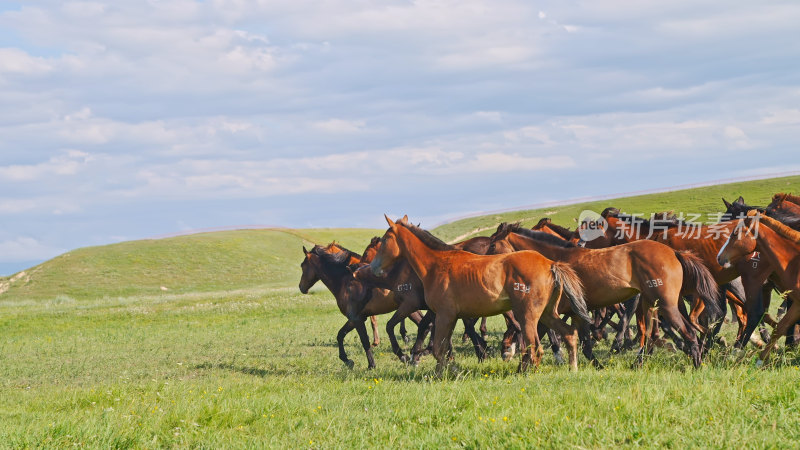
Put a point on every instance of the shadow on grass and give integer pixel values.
(262, 373)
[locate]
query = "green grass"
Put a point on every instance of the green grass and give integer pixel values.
(195, 263)
(258, 367)
(93, 353)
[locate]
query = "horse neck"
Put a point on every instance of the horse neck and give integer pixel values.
(419, 256)
(331, 278)
(778, 250)
(525, 243)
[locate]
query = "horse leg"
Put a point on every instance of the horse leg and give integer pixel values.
(569, 333)
(512, 337)
(477, 340)
(443, 331)
(361, 327)
(483, 329)
(741, 318)
(671, 313)
(628, 309)
(598, 324)
(404, 332)
(792, 315)
(790, 343)
(531, 349)
(754, 307)
(587, 341)
(346, 328)
(376, 341)
(641, 325)
(555, 343)
(405, 309)
(710, 336)
(671, 333)
(423, 327)
(508, 346)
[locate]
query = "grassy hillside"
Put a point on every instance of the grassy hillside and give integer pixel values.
(701, 200)
(228, 260)
(196, 263)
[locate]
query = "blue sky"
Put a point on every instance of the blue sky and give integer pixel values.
(129, 119)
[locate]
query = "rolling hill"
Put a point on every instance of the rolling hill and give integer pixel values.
(228, 260)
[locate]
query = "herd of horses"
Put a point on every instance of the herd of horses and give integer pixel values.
(550, 280)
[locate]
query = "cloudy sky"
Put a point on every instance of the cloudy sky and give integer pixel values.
(129, 119)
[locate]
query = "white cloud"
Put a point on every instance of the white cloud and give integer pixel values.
(340, 126)
(24, 248)
(65, 164)
(16, 61)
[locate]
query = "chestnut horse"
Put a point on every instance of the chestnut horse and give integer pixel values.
(612, 275)
(461, 284)
(409, 294)
(705, 241)
(779, 246)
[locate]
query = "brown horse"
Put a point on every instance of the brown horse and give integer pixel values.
(612, 275)
(779, 246)
(705, 241)
(355, 301)
(460, 284)
(409, 294)
(786, 209)
(353, 258)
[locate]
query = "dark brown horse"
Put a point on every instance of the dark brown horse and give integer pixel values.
(461, 284)
(786, 209)
(612, 275)
(779, 246)
(355, 300)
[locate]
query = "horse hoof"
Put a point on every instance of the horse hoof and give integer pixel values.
(597, 365)
(370, 366)
(349, 363)
(759, 363)
(405, 359)
(375, 344)
(406, 339)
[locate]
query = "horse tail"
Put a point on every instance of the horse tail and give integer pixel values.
(697, 278)
(566, 280)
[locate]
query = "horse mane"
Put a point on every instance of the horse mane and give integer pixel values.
(661, 219)
(564, 232)
(427, 238)
(782, 230)
(791, 198)
(336, 258)
(545, 238)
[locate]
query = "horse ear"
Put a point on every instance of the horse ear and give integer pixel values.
(727, 205)
(305, 252)
(740, 200)
(389, 221)
(404, 219)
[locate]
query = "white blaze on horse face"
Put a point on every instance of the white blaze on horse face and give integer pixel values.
(727, 263)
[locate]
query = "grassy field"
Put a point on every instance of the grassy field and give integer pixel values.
(94, 353)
